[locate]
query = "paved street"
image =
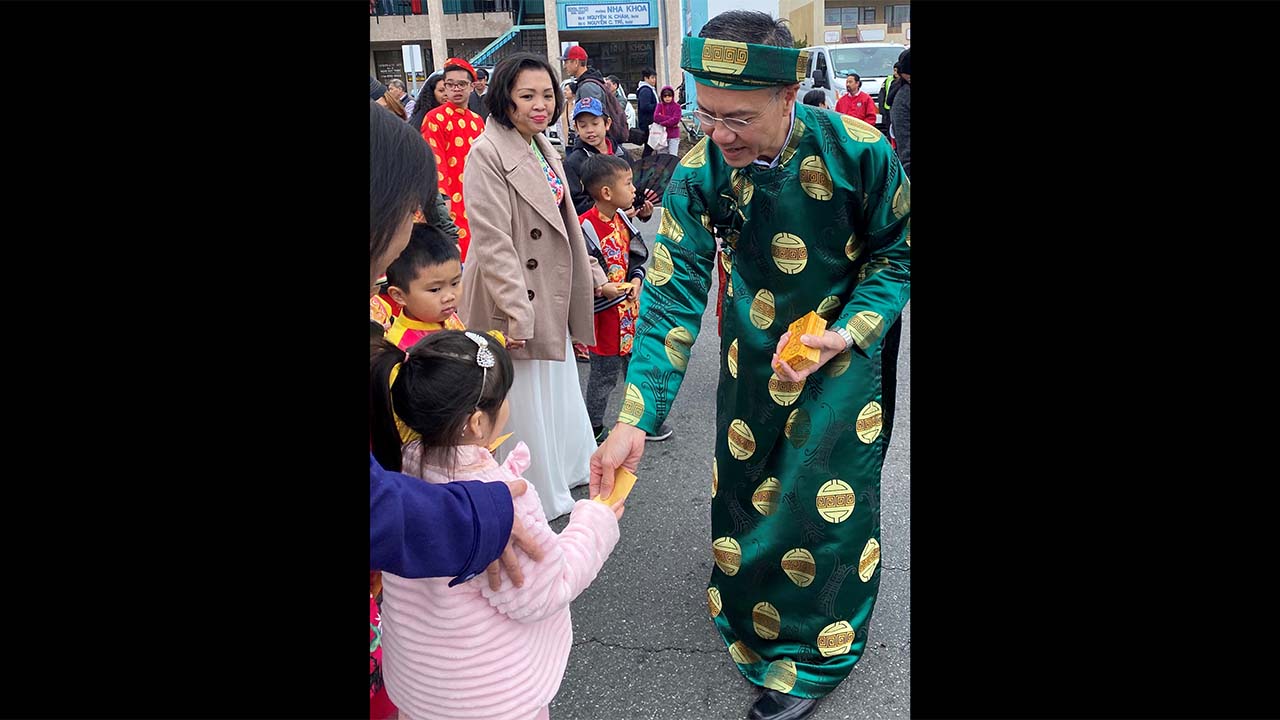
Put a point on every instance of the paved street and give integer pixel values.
(644, 646)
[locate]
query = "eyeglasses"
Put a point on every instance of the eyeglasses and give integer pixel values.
(708, 121)
(457, 84)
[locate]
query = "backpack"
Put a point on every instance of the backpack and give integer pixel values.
(618, 129)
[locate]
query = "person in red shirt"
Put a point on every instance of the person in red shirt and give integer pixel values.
(857, 103)
(450, 129)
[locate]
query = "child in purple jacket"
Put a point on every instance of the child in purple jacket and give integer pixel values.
(667, 114)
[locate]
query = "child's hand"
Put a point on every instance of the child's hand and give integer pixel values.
(646, 210)
(609, 290)
(618, 508)
(635, 288)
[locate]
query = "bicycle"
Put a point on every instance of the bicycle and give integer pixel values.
(690, 124)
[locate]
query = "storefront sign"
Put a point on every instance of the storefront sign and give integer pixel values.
(619, 15)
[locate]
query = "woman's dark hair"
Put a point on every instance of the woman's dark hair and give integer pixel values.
(402, 177)
(435, 392)
(815, 96)
(426, 101)
(498, 98)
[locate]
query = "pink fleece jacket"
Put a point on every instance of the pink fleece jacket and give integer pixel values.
(668, 115)
(470, 652)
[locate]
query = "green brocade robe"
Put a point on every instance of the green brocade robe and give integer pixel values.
(795, 509)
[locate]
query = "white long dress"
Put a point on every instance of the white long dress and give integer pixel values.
(549, 415)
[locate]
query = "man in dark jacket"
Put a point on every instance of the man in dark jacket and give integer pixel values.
(478, 89)
(900, 112)
(647, 99)
(591, 85)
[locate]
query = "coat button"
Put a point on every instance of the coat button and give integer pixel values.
(532, 264)
(535, 233)
(531, 295)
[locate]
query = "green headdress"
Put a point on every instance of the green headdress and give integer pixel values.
(742, 66)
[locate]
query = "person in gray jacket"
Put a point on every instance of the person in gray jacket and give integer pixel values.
(900, 112)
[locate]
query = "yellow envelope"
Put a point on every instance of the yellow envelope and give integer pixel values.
(623, 481)
(496, 443)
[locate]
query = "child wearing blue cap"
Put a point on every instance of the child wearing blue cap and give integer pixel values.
(592, 126)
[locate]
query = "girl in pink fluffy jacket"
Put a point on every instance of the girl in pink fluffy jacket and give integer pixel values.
(470, 651)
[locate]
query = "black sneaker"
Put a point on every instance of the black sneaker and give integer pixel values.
(663, 433)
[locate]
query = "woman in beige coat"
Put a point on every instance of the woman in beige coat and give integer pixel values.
(527, 274)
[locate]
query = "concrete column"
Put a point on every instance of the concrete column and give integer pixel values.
(674, 37)
(439, 46)
(553, 56)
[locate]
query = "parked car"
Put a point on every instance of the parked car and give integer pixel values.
(829, 65)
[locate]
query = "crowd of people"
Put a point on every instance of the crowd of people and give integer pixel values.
(491, 255)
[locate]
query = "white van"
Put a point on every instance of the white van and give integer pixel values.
(829, 65)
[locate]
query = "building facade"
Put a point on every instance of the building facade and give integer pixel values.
(827, 22)
(621, 38)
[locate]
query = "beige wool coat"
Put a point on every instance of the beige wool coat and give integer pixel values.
(527, 272)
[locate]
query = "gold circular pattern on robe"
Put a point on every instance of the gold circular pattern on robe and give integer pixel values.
(677, 345)
(835, 501)
(448, 109)
(765, 498)
(852, 248)
(728, 555)
(837, 365)
(457, 141)
(715, 477)
(829, 309)
(453, 162)
(434, 128)
(662, 268)
(697, 155)
(799, 565)
(632, 406)
(870, 420)
(433, 144)
(797, 427)
(669, 227)
(784, 392)
(902, 199)
(457, 197)
(865, 327)
(742, 444)
(743, 188)
(780, 676)
(762, 310)
(724, 56)
(789, 253)
(474, 126)
(448, 125)
(869, 561)
(815, 180)
(438, 160)
(742, 654)
(835, 639)
(766, 620)
(439, 176)
(859, 130)
(713, 600)
(733, 359)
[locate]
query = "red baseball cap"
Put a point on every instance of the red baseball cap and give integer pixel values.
(575, 53)
(462, 64)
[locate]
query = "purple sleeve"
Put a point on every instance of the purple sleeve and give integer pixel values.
(418, 529)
